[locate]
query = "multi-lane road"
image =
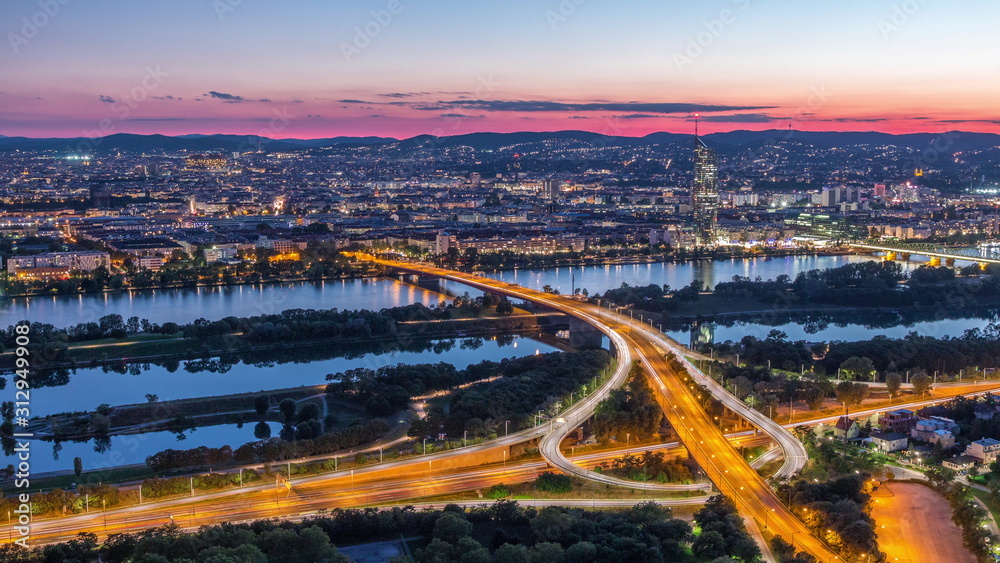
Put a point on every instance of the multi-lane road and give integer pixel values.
(634, 341)
(344, 489)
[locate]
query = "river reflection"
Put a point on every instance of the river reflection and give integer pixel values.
(86, 388)
(214, 303)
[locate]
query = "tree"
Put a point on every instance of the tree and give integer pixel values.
(858, 368)
(309, 411)
(554, 483)
(743, 386)
(262, 430)
(547, 552)
(819, 350)
(814, 396)
(893, 382)
(452, 527)
(508, 553)
(152, 398)
(77, 466)
(940, 476)
(852, 393)
(287, 408)
(922, 384)
(505, 307)
(498, 491)
(261, 404)
(709, 545)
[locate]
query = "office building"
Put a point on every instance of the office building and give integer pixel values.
(705, 194)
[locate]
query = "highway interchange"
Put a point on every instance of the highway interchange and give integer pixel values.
(427, 476)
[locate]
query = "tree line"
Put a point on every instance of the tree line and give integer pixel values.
(836, 512)
(504, 532)
(521, 387)
(629, 412)
(268, 450)
(876, 358)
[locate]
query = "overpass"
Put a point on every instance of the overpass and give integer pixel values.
(673, 387)
(981, 255)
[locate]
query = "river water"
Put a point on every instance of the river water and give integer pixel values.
(97, 385)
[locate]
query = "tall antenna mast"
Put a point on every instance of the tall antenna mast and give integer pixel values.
(696, 125)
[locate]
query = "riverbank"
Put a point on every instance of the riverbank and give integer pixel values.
(373, 273)
(660, 259)
(147, 348)
(186, 414)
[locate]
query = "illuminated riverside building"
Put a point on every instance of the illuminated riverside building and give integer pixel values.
(705, 194)
(206, 162)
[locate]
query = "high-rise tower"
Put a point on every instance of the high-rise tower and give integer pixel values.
(705, 193)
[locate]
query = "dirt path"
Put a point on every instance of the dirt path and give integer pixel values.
(914, 524)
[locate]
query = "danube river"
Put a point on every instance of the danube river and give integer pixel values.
(102, 386)
(213, 303)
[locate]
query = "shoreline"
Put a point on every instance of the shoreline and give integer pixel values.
(582, 262)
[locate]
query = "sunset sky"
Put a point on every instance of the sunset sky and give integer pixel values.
(322, 68)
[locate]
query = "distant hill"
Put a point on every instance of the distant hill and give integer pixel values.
(515, 142)
(952, 140)
(195, 143)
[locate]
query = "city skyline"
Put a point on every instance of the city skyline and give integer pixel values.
(392, 68)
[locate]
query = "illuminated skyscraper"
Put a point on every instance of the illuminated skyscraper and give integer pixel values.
(705, 193)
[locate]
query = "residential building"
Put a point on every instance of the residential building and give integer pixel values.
(900, 421)
(846, 428)
(960, 463)
(984, 411)
(218, 253)
(888, 442)
(935, 430)
(985, 450)
(153, 263)
(86, 261)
